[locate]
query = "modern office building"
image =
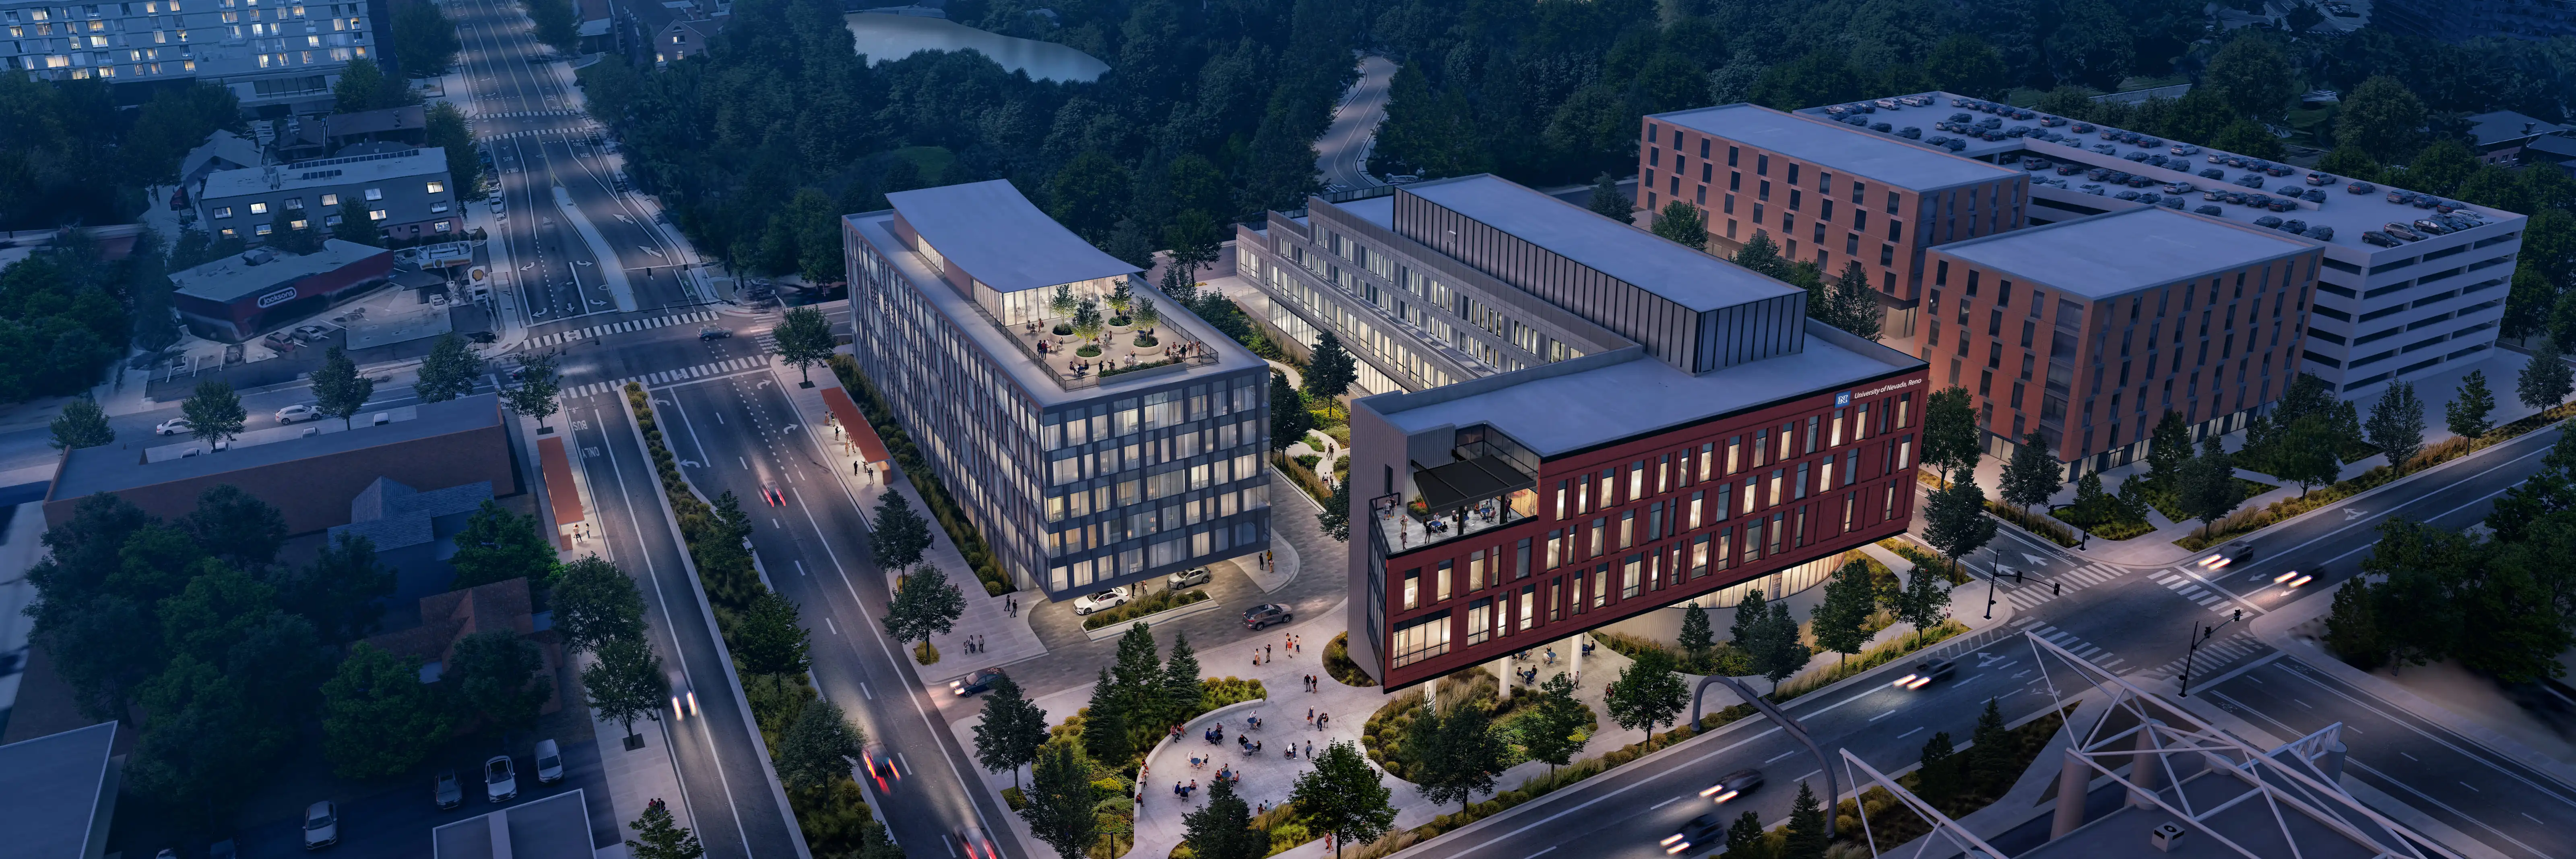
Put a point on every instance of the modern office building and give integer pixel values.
(406, 194)
(1605, 422)
(1083, 471)
(275, 55)
(2087, 331)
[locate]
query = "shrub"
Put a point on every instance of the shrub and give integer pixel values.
(934, 495)
(1337, 662)
(925, 654)
(1162, 600)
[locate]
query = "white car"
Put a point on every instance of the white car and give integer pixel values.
(321, 825)
(1102, 601)
(500, 779)
(174, 426)
(550, 767)
(298, 412)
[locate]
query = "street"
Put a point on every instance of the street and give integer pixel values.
(1342, 153)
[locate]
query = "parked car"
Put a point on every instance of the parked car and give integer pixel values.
(1926, 672)
(311, 333)
(1734, 784)
(1188, 577)
(1702, 832)
(549, 762)
(500, 779)
(321, 825)
(1101, 601)
(879, 765)
(450, 793)
(979, 681)
(298, 412)
(173, 426)
(1260, 616)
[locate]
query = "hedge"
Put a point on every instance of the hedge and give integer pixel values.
(934, 494)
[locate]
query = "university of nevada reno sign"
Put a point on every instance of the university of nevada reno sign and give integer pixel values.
(276, 298)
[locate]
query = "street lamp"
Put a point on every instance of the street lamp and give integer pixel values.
(2194, 649)
(1787, 725)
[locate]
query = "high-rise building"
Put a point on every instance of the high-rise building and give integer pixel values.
(270, 54)
(1089, 458)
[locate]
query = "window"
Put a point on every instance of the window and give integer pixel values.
(1529, 606)
(1413, 588)
(375, 214)
(443, 226)
(224, 211)
(1630, 583)
(1440, 581)
(297, 224)
(260, 230)
(437, 187)
(1480, 621)
(259, 208)
(1419, 639)
(330, 199)
(375, 194)
(1627, 529)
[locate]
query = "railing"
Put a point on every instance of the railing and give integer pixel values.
(1197, 354)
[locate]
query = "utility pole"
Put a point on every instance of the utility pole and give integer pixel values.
(2194, 650)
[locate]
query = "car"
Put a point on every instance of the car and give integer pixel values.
(769, 492)
(298, 412)
(1186, 578)
(311, 333)
(1703, 832)
(2233, 553)
(712, 332)
(879, 765)
(1925, 672)
(1101, 600)
(321, 825)
(980, 681)
(500, 779)
(977, 844)
(449, 793)
(1266, 614)
(549, 762)
(1734, 784)
(173, 426)
(497, 206)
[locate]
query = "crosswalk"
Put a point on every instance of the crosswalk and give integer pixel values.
(544, 340)
(2215, 655)
(526, 113)
(2043, 588)
(2191, 589)
(533, 132)
(666, 377)
(2100, 657)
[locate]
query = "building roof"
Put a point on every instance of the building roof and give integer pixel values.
(235, 277)
(408, 117)
(2131, 249)
(327, 172)
(223, 150)
(2497, 128)
(91, 470)
(992, 232)
(1569, 406)
(562, 495)
(555, 826)
(448, 618)
(1687, 277)
(59, 794)
(395, 516)
(1841, 148)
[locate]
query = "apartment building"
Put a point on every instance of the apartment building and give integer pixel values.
(2409, 282)
(1087, 462)
(2087, 331)
(1826, 195)
(273, 54)
(406, 194)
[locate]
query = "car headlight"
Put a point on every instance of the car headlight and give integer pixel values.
(1670, 839)
(1723, 797)
(1919, 683)
(1901, 681)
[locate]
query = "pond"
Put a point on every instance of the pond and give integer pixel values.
(885, 37)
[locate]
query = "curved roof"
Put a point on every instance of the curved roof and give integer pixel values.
(999, 237)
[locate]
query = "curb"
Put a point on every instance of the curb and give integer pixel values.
(1115, 630)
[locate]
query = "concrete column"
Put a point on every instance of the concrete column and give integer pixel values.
(2146, 769)
(2072, 777)
(1431, 693)
(1578, 657)
(1503, 672)
(2332, 765)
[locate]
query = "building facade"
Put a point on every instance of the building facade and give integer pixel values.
(1082, 472)
(280, 55)
(405, 194)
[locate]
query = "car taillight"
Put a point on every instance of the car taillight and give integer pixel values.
(1901, 681)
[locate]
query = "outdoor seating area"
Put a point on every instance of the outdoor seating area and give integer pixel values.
(1117, 349)
(1410, 528)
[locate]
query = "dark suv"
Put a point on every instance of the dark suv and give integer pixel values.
(1260, 616)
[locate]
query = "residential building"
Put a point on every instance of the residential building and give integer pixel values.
(274, 56)
(235, 298)
(405, 193)
(2500, 136)
(406, 124)
(2463, 20)
(1654, 424)
(597, 24)
(431, 630)
(1826, 195)
(685, 37)
(1081, 472)
(414, 531)
(2087, 331)
(2411, 282)
(60, 797)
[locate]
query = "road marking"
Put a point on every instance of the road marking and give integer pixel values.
(1917, 730)
(2471, 787)
(800, 567)
(2303, 703)
(1787, 753)
(907, 763)
(1541, 853)
(863, 690)
(2409, 757)
(1660, 805)
(827, 624)
(2525, 814)
(1882, 715)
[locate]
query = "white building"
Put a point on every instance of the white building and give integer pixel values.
(269, 52)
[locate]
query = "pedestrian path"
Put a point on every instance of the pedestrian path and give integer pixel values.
(2214, 656)
(2047, 588)
(2207, 596)
(544, 340)
(654, 380)
(2062, 638)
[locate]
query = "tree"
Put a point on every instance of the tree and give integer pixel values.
(1331, 370)
(1950, 431)
(449, 371)
(1138, 673)
(2209, 489)
(658, 837)
(817, 750)
(350, 224)
(2397, 424)
(2249, 137)
(1335, 518)
(1457, 752)
(498, 545)
(1938, 780)
(1011, 730)
(1965, 64)
(2169, 447)
(2352, 626)
(2307, 453)
(2423, 567)
(555, 23)
(1746, 837)
(1059, 809)
(214, 412)
(378, 719)
(1223, 830)
(1745, 634)
(1762, 255)
(1647, 693)
(625, 681)
(1781, 653)
(596, 603)
(1852, 305)
(1840, 623)
(1684, 224)
(497, 677)
(338, 389)
(2382, 119)
(444, 126)
(1289, 419)
(2252, 76)
(236, 526)
(1806, 829)
(1105, 723)
(205, 731)
(340, 589)
(927, 604)
(1607, 202)
(82, 424)
(2544, 381)
(534, 395)
(804, 339)
(768, 639)
(2349, 161)
(365, 86)
(1993, 758)
(1955, 520)
(1179, 692)
(900, 534)
(1088, 194)
(1343, 796)
(2031, 475)
(1552, 736)
(1924, 600)
(2466, 414)
(1696, 638)
(1819, 76)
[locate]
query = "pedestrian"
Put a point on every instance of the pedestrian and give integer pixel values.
(2054, 587)
(1265, 651)
(1310, 749)
(1310, 717)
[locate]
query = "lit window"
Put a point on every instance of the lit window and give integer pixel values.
(444, 226)
(375, 214)
(259, 208)
(228, 233)
(375, 194)
(297, 224)
(260, 230)
(294, 203)
(438, 207)
(224, 212)
(330, 199)
(331, 220)
(437, 187)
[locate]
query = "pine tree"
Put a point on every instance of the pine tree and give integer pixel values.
(1853, 305)
(1782, 654)
(1607, 202)
(2352, 626)
(1223, 830)
(1061, 807)
(1991, 758)
(2169, 447)
(2544, 381)
(1180, 690)
(1011, 730)
(1950, 432)
(2466, 415)
(1840, 622)
(1289, 419)
(657, 836)
(1696, 636)
(1335, 517)
(1105, 725)
(1938, 780)
(1806, 829)
(2397, 424)
(1331, 370)
(1745, 837)
(900, 534)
